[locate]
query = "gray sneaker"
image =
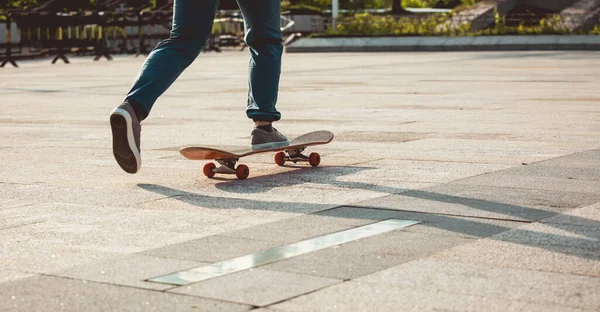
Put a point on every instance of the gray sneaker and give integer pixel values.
(126, 138)
(262, 139)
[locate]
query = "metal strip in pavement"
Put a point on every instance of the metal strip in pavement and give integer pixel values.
(279, 253)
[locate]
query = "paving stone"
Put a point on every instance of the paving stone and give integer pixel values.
(354, 296)
(430, 223)
(354, 259)
(585, 159)
(582, 241)
(212, 248)
(489, 282)
(256, 287)
(130, 270)
(125, 196)
(541, 170)
(418, 171)
(485, 201)
(107, 229)
(464, 150)
(299, 196)
(583, 217)
(43, 257)
(47, 293)
(337, 262)
(524, 181)
(12, 275)
(296, 229)
(525, 254)
(438, 116)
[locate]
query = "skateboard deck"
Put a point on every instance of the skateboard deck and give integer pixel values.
(228, 159)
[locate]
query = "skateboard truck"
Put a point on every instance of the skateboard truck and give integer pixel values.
(295, 155)
(227, 166)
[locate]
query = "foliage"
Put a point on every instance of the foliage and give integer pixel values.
(419, 3)
(596, 29)
(19, 4)
(546, 26)
(344, 4)
(365, 24)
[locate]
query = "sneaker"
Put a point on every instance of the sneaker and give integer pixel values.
(262, 139)
(126, 138)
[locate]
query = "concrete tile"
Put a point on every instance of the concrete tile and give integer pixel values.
(256, 287)
(544, 171)
(484, 201)
(127, 195)
(47, 293)
(465, 150)
(295, 229)
(586, 217)
(578, 240)
(12, 275)
(285, 193)
(368, 255)
(354, 296)
(489, 282)
(433, 224)
(212, 248)
(100, 236)
(418, 171)
(527, 181)
(43, 257)
(521, 255)
(585, 159)
(457, 107)
(129, 270)
(337, 262)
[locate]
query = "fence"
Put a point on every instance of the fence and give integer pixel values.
(102, 33)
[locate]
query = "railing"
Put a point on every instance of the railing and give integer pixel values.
(101, 33)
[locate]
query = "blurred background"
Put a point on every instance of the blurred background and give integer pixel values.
(102, 28)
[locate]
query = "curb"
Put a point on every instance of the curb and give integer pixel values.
(416, 44)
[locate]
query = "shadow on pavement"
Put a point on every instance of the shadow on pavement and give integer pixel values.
(583, 241)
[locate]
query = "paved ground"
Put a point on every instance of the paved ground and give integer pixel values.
(496, 154)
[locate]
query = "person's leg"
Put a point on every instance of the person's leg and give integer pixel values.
(192, 24)
(264, 39)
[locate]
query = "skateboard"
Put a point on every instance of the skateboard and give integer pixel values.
(228, 159)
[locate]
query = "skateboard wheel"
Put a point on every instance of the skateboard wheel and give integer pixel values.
(314, 159)
(208, 169)
(280, 158)
(242, 172)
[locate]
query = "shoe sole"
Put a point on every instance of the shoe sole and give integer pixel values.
(125, 150)
(270, 145)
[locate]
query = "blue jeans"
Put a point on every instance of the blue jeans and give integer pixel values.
(192, 25)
